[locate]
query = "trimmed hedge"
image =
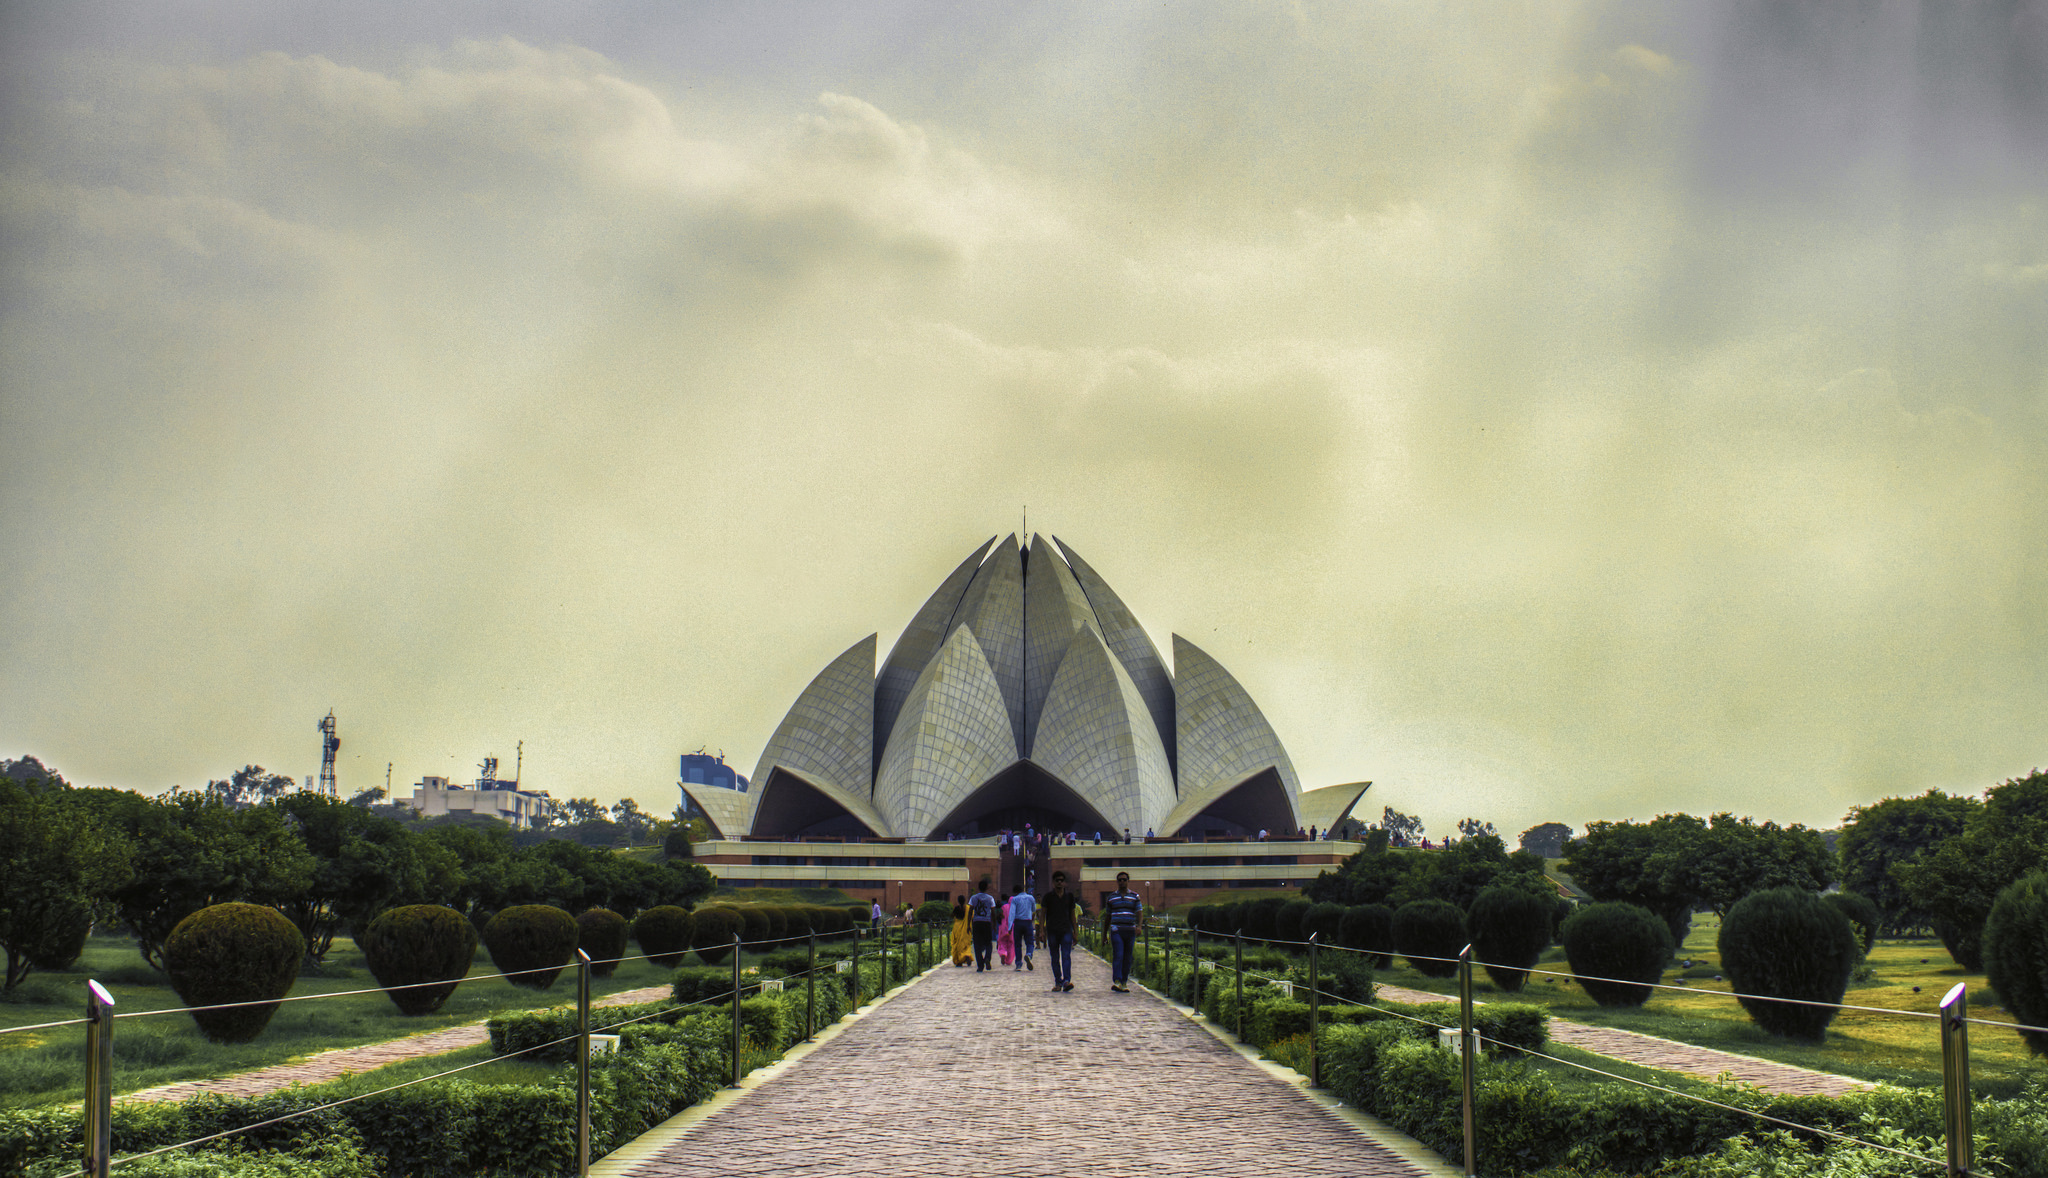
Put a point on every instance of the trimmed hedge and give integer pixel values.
(712, 938)
(601, 933)
(1370, 928)
(1616, 951)
(1787, 943)
(1430, 934)
(2016, 954)
(1863, 916)
(1326, 921)
(233, 953)
(1510, 930)
(1287, 922)
(532, 943)
(416, 944)
(664, 933)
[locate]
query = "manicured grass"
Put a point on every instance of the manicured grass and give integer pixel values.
(825, 896)
(1869, 1046)
(41, 1066)
(1233, 896)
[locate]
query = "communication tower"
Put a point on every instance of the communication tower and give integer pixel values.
(329, 745)
(487, 777)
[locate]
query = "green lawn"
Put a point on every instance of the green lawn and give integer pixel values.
(42, 1066)
(1868, 1046)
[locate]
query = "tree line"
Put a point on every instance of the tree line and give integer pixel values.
(72, 858)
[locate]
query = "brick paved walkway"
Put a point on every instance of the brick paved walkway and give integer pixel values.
(1652, 1052)
(342, 1061)
(992, 1075)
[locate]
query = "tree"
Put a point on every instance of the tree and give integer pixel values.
(1735, 857)
(249, 785)
(1961, 878)
(1405, 829)
(1467, 868)
(1891, 833)
(364, 863)
(192, 851)
(634, 822)
(1547, 840)
(58, 861)
(1472, 828)
(1640, 864)
(1366, 876)
(366, 798)
(576, 811)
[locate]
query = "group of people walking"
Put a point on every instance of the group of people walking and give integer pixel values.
(1011, 929)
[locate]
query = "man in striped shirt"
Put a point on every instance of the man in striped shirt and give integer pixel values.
(1122, 909)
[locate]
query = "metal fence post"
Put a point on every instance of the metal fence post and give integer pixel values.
(856, 965)
(1469, 1051)
(1240, 983)
(1151, 968)
(811, 991)
(1168, 954)
(735, 1010)
(582, 1064)
(1315, 1058)
(1955, 1079)
(99, 1080)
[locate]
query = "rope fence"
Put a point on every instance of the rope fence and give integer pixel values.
(897, 944)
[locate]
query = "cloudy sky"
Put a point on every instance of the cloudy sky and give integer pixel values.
(1548, 412)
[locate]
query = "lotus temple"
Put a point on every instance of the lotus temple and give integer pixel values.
(1023, 693)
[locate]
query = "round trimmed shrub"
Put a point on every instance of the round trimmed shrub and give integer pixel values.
(1369, 928)
(602, 934)
(1325, 921)
(416, 944)
(754, 926)
(1787, 943)
(1427, 929)
(233, 953)
(664, 933)
(1862, 914)
(1287, 922)
(1616, 951)
(63, 939)
(934, 912)
(857, 915)
(1229, 919)
(713, 936)
(1510, 930)
(778, 921)
(2016, 954)
(1261, 917)
(532, 944)
(1199, 917)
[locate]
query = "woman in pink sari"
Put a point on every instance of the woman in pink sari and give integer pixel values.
(1003, 947)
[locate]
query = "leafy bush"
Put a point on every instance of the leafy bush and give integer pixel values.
(601, 933)
(233, 953)
(755, 929)
(1862, 914)
(1346, 975)
(541, 1033)
(415, 944)
(1786, 943)
(1616, 951)
(1261, 917)
(714, 932)
(2016, 954)
(934, 912)
(532, 943)
(1369, 927)
(664, 933)
(1273, 1017)
(1510, 930)
(856, 915)
(1512, 1027)
(1325, 921)
(698, 983)
(1429, 929)
(1288, 920)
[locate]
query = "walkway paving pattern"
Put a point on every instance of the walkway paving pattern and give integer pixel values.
(1652, 1052)
(342, 1061)
(992, 1075)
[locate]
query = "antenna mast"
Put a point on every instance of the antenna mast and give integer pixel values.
(518, 762)
(329, 745)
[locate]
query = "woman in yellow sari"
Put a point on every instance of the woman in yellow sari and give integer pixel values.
(963, 933)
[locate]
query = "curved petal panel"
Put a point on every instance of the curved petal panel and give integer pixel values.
(1132, 647)
(730, 812)
(914, 648)
(1257, 802)
(1054, 608)
(1097, 736)
(789, 804)
(1223, 737)
(952, 735)
(993, 608)
(1326, 807)
(829, 732)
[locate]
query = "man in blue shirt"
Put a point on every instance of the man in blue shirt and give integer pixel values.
(981, 908)
(1122, 910)
(1022, 909)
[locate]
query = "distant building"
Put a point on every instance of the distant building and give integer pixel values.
(705, 769)
(503, 800)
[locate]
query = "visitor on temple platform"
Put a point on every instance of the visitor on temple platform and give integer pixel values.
(1121, 912)
(981, 909)
(1056, 917)
(1022, 908)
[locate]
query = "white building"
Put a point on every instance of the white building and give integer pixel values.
(435, 796)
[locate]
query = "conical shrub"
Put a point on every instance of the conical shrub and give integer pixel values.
(233, 953)
(532, 943)
(1862, 914)
(1369, 928)
(417, 944)
(664, 933)
(1326, 922)
(1428, 931)
(2016, 955)
(713, 935)
(1288, 920)
(1787, 943)
(1510, 929)
(1617, 951)
(601, 933)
